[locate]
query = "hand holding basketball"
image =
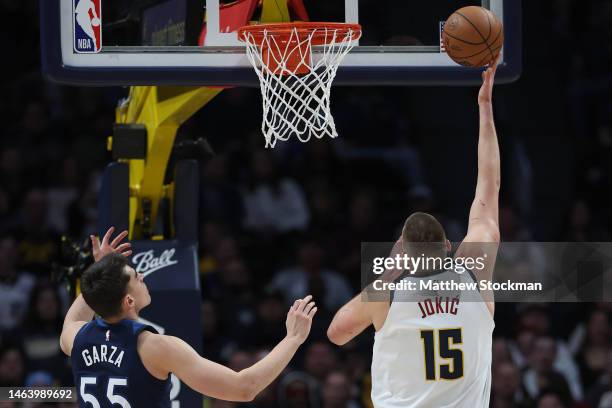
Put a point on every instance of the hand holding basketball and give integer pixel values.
(485, 95)
(95, 22)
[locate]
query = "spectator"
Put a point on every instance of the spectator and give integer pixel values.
(215, 344)
(63, 195)
(535, 318)
(310, 277)
(501, 351)
(337, 391)
(220, 200)
(237, 304)
(364, 225)
(15, 285)
(521, 347)
(320, 360)
(592, 355)
(298, 390)
(12, 367)
(506, 387)
(552, 399)
(581, 225)
(42, 328)
(211, 234)
(541, 373)
(271, 316)
(274, 204)
(38, 244)
(600, 394)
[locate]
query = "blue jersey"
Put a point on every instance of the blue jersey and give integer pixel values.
(108, 371)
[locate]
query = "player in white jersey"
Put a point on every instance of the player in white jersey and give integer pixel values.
(432, 349)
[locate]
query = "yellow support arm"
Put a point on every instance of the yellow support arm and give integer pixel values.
(162, 110)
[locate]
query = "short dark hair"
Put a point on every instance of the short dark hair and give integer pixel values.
(104, 284)
(425, 233)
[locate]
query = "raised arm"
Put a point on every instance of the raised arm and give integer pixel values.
(80, 313)
(164, 354)
(484, 214)
(483, 227)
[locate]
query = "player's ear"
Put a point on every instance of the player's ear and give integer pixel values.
(129, 301)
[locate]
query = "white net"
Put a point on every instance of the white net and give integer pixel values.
(295, 82)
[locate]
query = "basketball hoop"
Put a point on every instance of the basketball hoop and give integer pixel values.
(295, 84)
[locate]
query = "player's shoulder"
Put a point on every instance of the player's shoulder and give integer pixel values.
(148, 339)
(154, 350)
(156, 343)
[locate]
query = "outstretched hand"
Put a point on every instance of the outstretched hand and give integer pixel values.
(299, 318)
(100, 249)
(485, 95)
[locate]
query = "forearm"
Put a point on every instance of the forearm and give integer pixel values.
(489, 172)
(261, 374)
(350, 320)
(79, 311)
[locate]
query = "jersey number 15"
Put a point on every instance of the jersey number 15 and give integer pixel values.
(452, 366)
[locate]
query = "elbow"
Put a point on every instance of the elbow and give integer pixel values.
(64, 347)
(335, 336)
(247, 387)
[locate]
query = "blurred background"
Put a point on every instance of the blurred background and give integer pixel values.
(277, 224)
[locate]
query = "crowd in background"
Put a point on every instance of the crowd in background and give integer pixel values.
(278, 224)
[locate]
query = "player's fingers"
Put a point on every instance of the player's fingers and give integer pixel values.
(312, 312)
(95, 242)
(296, 304)
(304, 303)
(309, 307)
(108, 234)
(127, 253)
(123, 247)
(119, 238)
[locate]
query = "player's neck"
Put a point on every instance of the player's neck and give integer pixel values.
(132, 315)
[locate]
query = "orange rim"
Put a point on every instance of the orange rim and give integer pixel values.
(283, 31)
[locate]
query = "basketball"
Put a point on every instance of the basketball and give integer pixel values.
(473, 36)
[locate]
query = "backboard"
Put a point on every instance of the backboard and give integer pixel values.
(194, 42)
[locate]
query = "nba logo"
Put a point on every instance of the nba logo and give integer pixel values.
(87, 24)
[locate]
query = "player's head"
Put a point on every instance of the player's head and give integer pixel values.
(423, 234)
(113, 289)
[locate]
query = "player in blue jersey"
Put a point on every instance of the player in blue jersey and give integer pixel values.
(119, 362)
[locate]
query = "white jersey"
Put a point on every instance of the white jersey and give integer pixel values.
(433, 350)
